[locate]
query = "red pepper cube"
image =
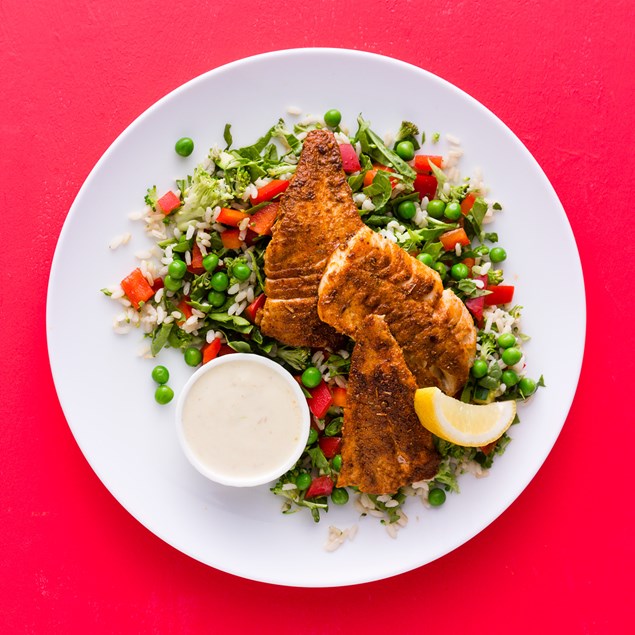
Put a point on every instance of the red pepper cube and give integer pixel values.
(320, 400)
(137, 288)
(330, 446)
(168, 202)
(320, 486)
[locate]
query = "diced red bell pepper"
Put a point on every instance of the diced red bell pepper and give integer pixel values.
(350, 161)
(252, 310)
(422, 163)
(467, 203)
(168, 202)
(196, 265)
(476, 305)
(262, 221)
(369, 177)
(450, 239)
(210, 351)
(185, 309)
(320, 486)
(486, 449)
(137, 288)
(330, 446)
(500, 294)
(469, 263)
(225, 350)
(269, 191)
(231, 239)
(158, 284)
(339, 396)
(232, 217)
(320, 400)
(425, 185)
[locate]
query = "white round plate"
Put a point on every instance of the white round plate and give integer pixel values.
(105, 387)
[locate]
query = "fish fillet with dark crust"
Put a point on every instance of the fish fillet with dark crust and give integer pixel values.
(370, 275)
(384, 445)
(316, 215)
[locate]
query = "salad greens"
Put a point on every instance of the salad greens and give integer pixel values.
(218, 233)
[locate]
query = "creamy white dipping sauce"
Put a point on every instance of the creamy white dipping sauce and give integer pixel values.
(242, 420)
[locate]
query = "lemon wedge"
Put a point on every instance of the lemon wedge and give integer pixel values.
(461, 423)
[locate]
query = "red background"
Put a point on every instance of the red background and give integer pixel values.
(75, 74)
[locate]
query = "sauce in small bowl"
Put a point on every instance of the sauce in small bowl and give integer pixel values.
(242, 420)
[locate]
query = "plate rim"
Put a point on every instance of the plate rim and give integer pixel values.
(227, 68)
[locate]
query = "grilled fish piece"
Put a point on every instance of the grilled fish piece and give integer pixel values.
(384, 446)
(316, 215)
(370, 274)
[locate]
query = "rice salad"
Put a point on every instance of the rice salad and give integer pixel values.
(200, 285)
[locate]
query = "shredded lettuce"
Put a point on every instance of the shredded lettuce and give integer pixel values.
(205, 191)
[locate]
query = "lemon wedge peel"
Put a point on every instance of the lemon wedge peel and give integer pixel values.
(468, 425)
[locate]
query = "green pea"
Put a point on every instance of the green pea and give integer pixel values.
(184, 146)
(216, 298)
(336, 462)
(436, 497)
(311, 377)
(241, 271)
(511, 356)
(171, 284)
(160, 374)
(177, 269)
(163, 394)
(193, 356)
(332, 118)
(527, 387)
(313, 435)
(210, 262)
(302, 481)
(497, 254)
(506, 340)
(435, 208)
(441, 269)
(426, 259)
(220, 281)
(406, 210)
(405, 150)
(479, 368)
(509, 378)
(482, 250)
(459, 271)
(339, 496)
(453, 211)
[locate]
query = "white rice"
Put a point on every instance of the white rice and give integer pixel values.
(337, 537)
(294, 111)
(117, 241)
(138, 214)
(340, 381)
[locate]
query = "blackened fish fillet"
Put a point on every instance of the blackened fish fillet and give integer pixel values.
(371, 275)
(316, 215)
(384, 445)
